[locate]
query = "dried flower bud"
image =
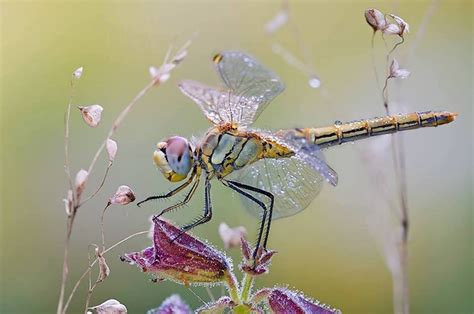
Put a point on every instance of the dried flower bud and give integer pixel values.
(231, 236)
(162, 74)
(153, 71)
(392, 29)
(183, 259)
(91, 114)
(111, 306)
(172, 305)
(246, 251)
(277, 22)
(80, 183)
(122, 196)
(282, 300)
(404, 28)
(104, 270)
(375, 19)
(111, 149)
(68, 203)
(77, 73)
(397, 72)
(258, 266)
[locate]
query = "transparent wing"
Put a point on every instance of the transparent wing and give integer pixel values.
(293, 181)
(219, 106)
(253, 85)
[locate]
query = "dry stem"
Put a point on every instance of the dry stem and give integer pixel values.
(89, 269)
(71, 217)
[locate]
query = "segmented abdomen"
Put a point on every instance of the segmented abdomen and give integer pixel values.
(351, 131)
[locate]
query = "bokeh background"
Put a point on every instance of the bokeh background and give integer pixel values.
(333, 250)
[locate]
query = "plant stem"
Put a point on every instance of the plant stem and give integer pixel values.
(232, 287)
(102, 225)
(247, 283)
(87, 271)
(118, 121)
(70, 218)
(70, 221)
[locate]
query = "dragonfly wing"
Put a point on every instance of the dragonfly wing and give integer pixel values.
(253, 85)
(309, 153)
(210, 100)
(293, 183)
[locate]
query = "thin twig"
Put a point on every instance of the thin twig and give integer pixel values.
(374, 66)
(86, 272)
(102, 225)
(118, 121)
(100, 185)
(70, 218)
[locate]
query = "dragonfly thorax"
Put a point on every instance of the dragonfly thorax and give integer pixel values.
(174, 157)
(226, 148)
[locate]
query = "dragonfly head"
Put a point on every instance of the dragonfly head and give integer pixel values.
(174, 158)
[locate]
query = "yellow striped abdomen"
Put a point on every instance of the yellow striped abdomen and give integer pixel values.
(347, 132)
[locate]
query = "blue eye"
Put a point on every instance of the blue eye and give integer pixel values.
(178, 155)
(180, 164)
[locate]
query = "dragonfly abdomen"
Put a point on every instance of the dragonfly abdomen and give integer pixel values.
(340, 133)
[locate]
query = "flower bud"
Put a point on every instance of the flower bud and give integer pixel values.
(68, 203)
(172, 305)
(404, 28)
(397, 72)
(282, 300)
(111, 149)
(77, 73)
(104, 270)
(111, 306)
(91, 114)
(392, 29)
(375, 19)
(123, 196)
(80, 182)
(260, 265)
(231, 236)
(180, 257)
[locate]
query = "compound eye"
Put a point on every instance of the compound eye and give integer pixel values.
(178, 155)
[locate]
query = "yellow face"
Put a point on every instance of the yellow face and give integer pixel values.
(174, 158)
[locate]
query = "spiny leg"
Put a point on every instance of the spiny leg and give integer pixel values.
(207, 214)
(270, 209)
(170, 193)
(238, 187)
(186, 199)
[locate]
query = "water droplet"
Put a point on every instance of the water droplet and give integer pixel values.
(314, 82)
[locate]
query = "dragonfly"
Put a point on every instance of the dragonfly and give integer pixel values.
(276, 173)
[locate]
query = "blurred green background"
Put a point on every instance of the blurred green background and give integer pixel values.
(333, 250)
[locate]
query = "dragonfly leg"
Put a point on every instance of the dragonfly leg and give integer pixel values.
(170, 193)
(207, 214)
(186, 199)
(270, 208)
(267, 212)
